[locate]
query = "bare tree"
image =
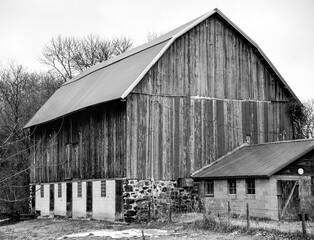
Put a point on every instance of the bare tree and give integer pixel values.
(308, 128)
(21, 95)
(303, 119)
(153, 35)
(68, 56)
(121, 45)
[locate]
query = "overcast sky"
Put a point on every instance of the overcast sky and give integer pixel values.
(284, 29)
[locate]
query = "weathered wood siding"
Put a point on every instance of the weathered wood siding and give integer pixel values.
(306, 162)
(171, 137)
(89, 144)
(207, 93)
(212, 60)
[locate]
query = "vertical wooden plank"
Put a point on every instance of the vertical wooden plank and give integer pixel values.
(176, 142)
(160, 138)
(181, 135)
(197, 135)
(239, 64)
(192, 139)
(219, 61)
(255, 123)
(187, 133)
(220, 127)
(211, 58)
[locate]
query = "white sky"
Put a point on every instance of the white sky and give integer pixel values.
(284, 29)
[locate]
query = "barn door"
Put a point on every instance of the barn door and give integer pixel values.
(69, 199)
(288, 193)
(119, 200)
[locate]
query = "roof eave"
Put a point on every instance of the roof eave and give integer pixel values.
(229, 177)
(29, 124)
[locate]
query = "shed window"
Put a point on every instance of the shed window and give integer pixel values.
(79, 189)
(209, 188)
(103, 189)
(250, 186)
(42, 192)
(59, 190)
(232, 186)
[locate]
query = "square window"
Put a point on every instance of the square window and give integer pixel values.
(250, 185)
(209, 187)
(232, 186)
(103, 189)
(59, 190)
(42, 192)
(79, 189)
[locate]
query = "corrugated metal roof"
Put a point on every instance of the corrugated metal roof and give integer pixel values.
(262, 160)
(115, 78)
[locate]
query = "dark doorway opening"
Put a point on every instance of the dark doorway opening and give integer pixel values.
(119, 200)
(69, 199)
(51, 197)
(89, 198)
(33, 194)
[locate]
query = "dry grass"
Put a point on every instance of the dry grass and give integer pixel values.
(183, 226)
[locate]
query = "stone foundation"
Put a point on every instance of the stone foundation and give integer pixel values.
(141, 203)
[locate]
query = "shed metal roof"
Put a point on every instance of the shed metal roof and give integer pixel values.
(115, 78)
(262, 160)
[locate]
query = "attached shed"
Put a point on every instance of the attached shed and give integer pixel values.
(275, 179)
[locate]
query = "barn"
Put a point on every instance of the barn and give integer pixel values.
(276, 180)
(152, 116)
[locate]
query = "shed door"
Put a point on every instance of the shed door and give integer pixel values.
(285, 188)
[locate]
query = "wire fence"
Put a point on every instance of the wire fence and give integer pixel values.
(244, 220)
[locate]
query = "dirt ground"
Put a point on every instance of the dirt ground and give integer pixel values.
(61, 229)
(183, 226)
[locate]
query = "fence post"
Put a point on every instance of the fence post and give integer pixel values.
(169, 210)
(303, 225)
(247, 216)
(229, 209)
(148, 217)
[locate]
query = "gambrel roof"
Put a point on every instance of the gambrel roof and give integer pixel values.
(115, 78)
(260, 160)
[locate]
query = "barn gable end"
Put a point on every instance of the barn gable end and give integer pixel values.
(208, 93)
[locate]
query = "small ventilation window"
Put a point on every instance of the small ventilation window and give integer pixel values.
(103, 189)
(79, 189)
(42, 191)
(59, 190)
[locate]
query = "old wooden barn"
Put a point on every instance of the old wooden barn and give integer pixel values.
(157, 112)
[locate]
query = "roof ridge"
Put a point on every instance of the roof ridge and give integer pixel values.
(282, 142)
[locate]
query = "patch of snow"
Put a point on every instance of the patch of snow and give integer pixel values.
(118, 234)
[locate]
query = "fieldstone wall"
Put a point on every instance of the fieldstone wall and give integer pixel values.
(140, 202)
